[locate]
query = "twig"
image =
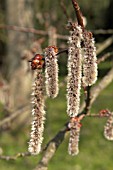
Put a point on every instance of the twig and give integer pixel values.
(8, 120)
(62, 51)
(64, 9)
(18, 155)
(87, 101)
(78, 13)
(106, 80)
(31, 30)
(104, 57)
(96, 90)
(105, 44)
(101, 31)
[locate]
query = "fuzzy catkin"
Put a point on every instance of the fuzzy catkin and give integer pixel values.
(89, 60)
(74, 71)
(51, 71)
(73, 148)
(108, 128)
(38, 114)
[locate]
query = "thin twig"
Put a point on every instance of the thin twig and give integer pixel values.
(101, 31)
(97, 89)
(104, 57)
(64, 9)
(31, 30)
(87, 101)
(8, 120)
(105, 45)
(14, 157)
(105, 81)
(62, 51)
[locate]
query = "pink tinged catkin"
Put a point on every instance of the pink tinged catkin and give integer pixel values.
(73, 148)
(38, 114)
(108, 128)
(74, 71)
(89, 60)
(51, 71)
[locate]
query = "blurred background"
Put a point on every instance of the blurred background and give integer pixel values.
(17, 46)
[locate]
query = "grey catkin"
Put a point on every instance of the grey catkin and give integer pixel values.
(38, 114)
(74, 71)
(89, 60)
(51, 71)
(108, 128)
(73, 148)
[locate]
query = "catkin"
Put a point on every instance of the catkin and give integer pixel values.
(108, 128)
(89, 60)
(38, 114)
(51, 71)
(74, 71)
(73, 148)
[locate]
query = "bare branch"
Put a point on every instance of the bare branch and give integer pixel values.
(8, 120)
(87, 101)
(105, 45)
(51, 148)
(104, 57)
(101, 31)
(106, 80)
(64, 9)
(18, 155)
(31, 30)
(96, 90)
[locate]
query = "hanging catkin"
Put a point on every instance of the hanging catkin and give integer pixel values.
(38, 114)
(51, 71)
(74, 127)
(108, 128)
(89, 59)
(74, 71)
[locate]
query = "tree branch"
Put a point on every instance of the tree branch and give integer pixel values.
(101, 31)
(31, 30)
(6, 122)
(104, 45)
(51, 148)
(104, 57)
(18, 155)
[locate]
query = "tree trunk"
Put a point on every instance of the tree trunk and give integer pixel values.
(19, 13)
